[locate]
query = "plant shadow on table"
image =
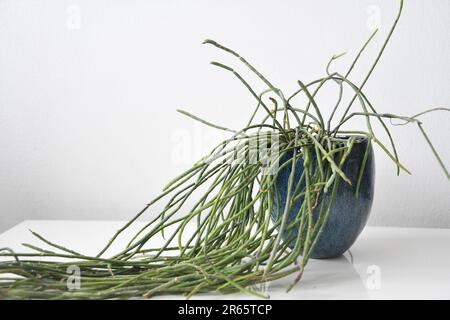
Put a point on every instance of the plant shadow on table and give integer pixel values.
(335, 278)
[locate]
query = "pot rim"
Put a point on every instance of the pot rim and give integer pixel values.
(360, 138)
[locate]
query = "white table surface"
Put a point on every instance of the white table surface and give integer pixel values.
(388, 263)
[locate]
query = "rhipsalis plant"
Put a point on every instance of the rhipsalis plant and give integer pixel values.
(228, 239)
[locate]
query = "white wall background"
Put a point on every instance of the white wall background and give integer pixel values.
(88, 92)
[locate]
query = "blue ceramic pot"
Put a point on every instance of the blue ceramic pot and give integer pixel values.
(348, 215)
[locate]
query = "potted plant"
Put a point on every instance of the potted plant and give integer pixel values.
(289, 186)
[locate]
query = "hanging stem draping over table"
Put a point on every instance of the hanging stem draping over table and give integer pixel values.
(234, 243)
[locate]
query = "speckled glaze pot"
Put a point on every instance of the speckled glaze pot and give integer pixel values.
(349, 214)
